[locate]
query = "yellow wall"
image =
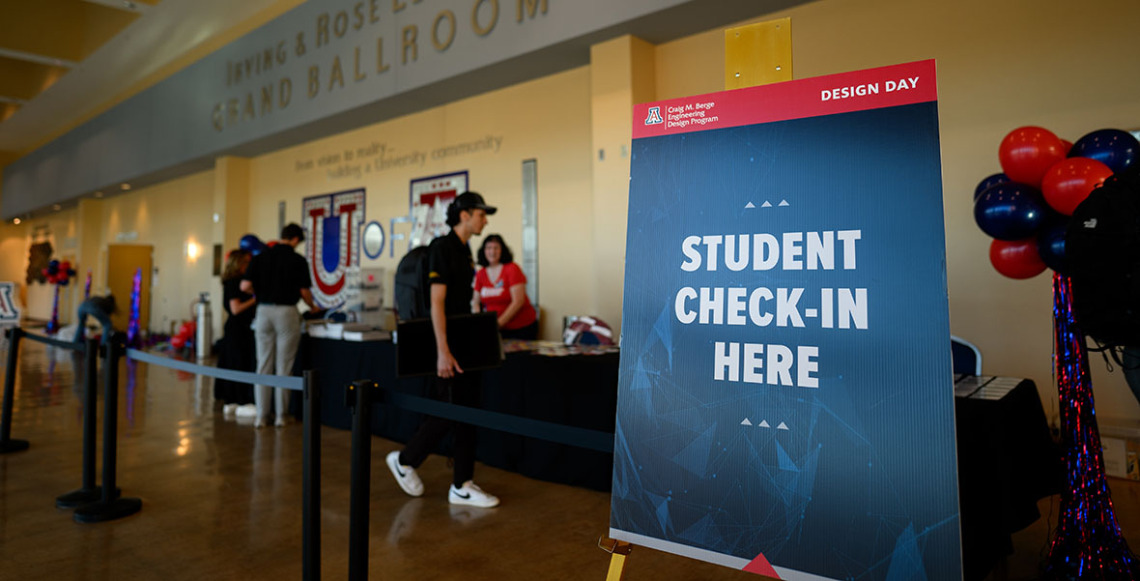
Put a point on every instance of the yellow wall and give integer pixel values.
(1066, 66)
(546, 119)
(167, 216)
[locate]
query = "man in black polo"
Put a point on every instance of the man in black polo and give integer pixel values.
(451, 272)
(278, 278)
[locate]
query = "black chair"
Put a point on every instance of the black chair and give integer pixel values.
(967, 359)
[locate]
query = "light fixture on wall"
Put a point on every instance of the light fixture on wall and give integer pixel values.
(56, 207)
(125, 187)
(16, 221)
(193, 251)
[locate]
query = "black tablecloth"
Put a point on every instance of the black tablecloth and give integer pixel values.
(576, 390)
(1007, 461)
(1006, 458)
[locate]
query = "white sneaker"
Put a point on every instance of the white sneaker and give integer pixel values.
(405, 476)
(246, 411)
(229, 409)
(470, 494)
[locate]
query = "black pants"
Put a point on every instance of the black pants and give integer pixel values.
(529, 332)
(463, 389)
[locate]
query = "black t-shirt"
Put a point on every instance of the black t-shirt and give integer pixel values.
(450, 263)
(231, 289)
(278, 274)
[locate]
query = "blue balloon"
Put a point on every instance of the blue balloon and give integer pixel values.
(1115, 148)
(997, 178)
(1051, 246)
(1011, 211)
(252, 244)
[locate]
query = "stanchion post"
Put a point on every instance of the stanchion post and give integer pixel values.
(7, 444)
(111, 506)
(311, 480)
(88, 491)
(359, 396)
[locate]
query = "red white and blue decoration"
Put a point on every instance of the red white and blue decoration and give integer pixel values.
(588, 331)
(1026, 210)
(785, 402)
(428, 200)
(332, 224)
(59, 274)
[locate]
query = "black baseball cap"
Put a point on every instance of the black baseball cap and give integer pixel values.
(471, 201)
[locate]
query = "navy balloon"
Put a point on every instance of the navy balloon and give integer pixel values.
(1011, 211)
(1115, 148)
(1051, 246)
(997, 178)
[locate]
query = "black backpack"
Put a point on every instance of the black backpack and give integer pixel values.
(1102, 252)
(411, 292)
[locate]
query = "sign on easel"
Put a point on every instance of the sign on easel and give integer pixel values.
(785, 404)
(9, 311)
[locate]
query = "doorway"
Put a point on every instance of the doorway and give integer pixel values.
(123, 261)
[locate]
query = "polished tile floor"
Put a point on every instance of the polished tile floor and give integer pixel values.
(222, 500)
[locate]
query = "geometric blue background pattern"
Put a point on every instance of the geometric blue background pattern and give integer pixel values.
(854, 478)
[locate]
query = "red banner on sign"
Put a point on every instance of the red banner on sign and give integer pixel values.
(843, 93)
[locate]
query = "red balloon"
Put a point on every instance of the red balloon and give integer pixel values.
(1069, 182)
(1016, 258)
(1028, 152)
(178, 342)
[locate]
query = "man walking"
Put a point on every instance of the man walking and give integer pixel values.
(451, 272)
(278, 277)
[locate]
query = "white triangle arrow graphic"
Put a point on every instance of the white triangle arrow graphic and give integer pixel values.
(766, 205)
(764, 424)
(750, 205)
(783, 426)
(784, 203)
(746, 422)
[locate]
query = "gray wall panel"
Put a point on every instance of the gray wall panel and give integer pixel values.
(168, 127)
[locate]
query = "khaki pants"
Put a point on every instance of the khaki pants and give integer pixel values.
(278, 332)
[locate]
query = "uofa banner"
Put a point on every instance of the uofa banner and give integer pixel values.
(785, 398)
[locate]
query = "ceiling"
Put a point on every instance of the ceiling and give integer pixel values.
(63, 62)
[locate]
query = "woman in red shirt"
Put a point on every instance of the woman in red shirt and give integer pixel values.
(501, 288)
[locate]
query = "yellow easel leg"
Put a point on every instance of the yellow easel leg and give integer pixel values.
(618, 552)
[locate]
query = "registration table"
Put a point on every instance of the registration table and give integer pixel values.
(555, 386)
(1006, 458)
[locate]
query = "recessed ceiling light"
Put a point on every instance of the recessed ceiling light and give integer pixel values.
(56, 207)
(125, 187)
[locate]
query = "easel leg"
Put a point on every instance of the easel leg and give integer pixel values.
(618, 552)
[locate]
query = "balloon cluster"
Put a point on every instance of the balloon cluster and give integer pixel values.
(185, 335)
(59, 272)
(1026, 208)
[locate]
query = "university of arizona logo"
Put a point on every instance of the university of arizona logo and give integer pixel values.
(9, 314)
(332, 224)
(654, 117)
